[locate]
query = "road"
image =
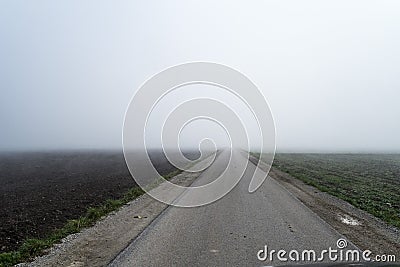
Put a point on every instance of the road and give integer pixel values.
(230, 231)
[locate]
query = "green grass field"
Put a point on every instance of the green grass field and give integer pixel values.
(370, 182)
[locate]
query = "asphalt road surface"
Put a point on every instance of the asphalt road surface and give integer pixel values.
(232, 230)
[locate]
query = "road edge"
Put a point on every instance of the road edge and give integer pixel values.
(371, 233)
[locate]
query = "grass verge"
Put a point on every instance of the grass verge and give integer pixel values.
(34, 247)
(370, 182)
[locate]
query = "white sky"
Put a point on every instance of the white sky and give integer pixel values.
(330, 69)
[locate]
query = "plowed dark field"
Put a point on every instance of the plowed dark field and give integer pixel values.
(41, 191)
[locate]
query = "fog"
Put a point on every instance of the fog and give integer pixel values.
(330, 70)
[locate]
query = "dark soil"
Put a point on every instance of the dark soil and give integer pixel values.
(40, 191)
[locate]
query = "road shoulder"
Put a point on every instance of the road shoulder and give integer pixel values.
(100, 244)
(358, 226)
